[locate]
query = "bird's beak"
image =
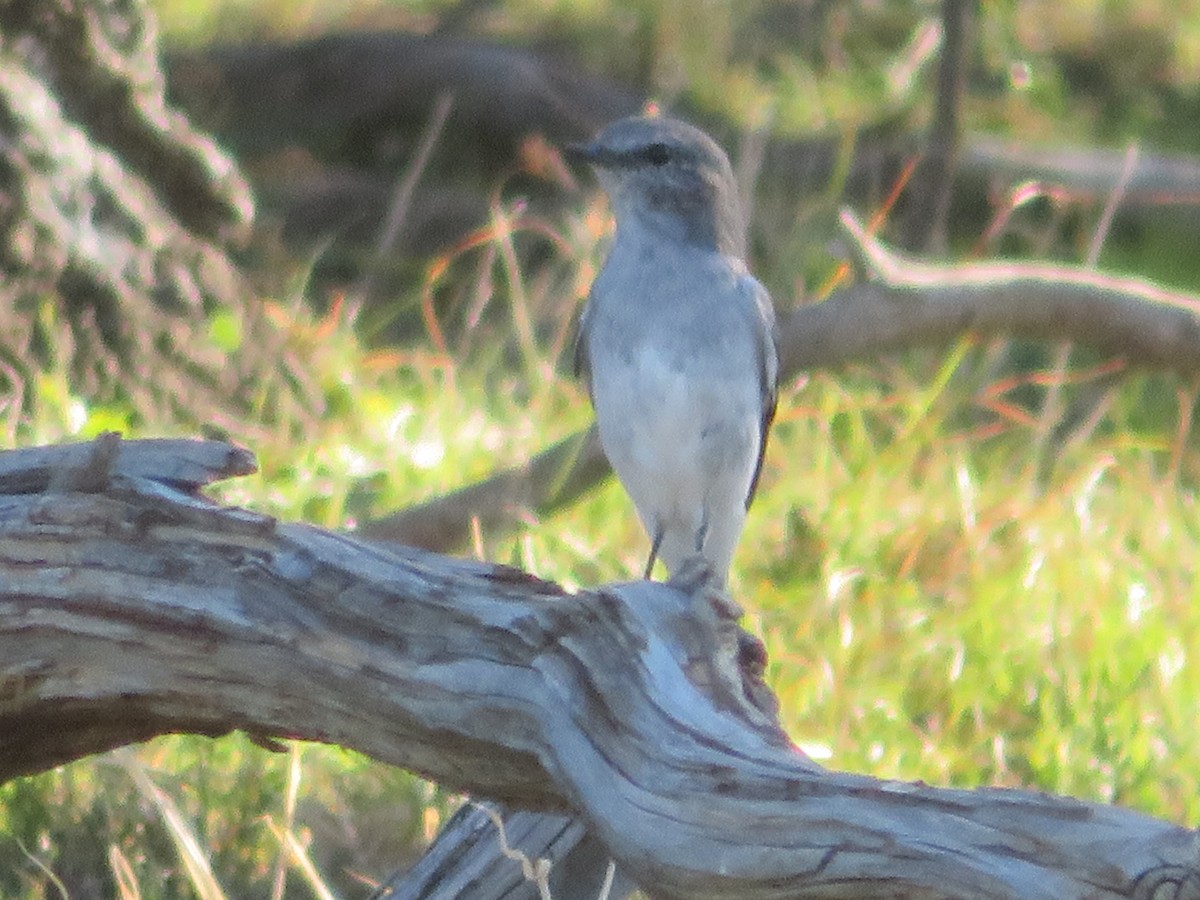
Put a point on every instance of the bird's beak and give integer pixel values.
(582, 153)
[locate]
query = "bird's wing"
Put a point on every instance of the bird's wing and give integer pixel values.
(583, 365)
(766, 334)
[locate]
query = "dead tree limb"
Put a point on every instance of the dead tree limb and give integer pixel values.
(552, 479)
(130, 607)
(1157, 179)
(897, 303)
(902, 302)
(118, 225)
(925, 220)
(466, 861)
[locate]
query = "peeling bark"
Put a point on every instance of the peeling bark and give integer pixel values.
(131, 606)
(117, 219)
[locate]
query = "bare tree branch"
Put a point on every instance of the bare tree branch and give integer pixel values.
(924, 222)
(134, 608)
(1156, 180)
(551, 480)
(905, 303)
(466, 860)
(899, 303)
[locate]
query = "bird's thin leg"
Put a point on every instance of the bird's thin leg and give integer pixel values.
(702, 533)
(654, 545)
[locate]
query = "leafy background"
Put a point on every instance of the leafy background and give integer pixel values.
(956, 582)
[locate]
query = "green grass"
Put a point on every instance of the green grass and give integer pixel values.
(934, 606)
(943, 596)
(959, 623)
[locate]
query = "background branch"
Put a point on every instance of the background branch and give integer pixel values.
(929, 192)
(897, 303)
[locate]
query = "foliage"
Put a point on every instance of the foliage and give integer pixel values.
(956, 581)
(934, 605)
(1083, 68)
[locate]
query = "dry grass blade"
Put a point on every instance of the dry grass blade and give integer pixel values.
(127, 885)
(609, 874)
(192, 855)
(1053, 407)
(279, 882)
(45, 870)
(406, 184)
(301, 860)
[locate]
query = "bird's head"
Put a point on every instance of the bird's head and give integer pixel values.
(669, 176)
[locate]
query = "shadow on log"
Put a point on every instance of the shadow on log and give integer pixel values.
(131, 606)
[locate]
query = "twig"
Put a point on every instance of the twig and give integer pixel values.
(1052, 406)
(402, 194)
(1110, 206)
(535, 871)
(931, 189)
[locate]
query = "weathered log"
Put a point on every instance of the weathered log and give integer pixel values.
(118, 221)
(130, 608)
(536, 853)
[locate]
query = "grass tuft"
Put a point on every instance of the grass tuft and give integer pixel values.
(947, 590)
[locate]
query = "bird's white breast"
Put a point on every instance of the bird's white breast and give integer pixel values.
(674, 344)
(677, 431)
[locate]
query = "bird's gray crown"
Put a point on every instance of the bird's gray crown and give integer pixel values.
(672, 177)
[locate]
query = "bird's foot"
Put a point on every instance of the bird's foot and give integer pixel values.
(696, 577)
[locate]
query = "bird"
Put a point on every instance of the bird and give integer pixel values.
(676, 343)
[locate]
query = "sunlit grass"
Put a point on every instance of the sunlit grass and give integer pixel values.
(931, 610)
(935, 607)
(945, 617)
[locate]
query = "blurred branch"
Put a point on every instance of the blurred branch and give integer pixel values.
(929, 192)
(552, 479)
(1155, 179)
(458, 17)
(903, 302)
(130, 607)
(899, 303)
(354, 101)
(402, 193)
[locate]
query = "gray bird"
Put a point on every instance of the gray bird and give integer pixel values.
(677, 340)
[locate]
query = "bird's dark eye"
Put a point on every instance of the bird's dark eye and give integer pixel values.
(658, 154)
